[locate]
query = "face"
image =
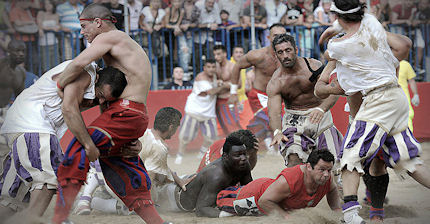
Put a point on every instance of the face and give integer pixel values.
(73, 2)
(178, 73)
(114, 2)
(238, 157)
(237, 53)
(219, 55)
(17, 53)
(48, 6)
(104, 94)
(172, 130)
(156, 4)
(321, 172)
(209, 4)
(310, 18)
(275, 31)
(224, 16)
(176, 4)
(89, 29)
(326, 6)
(210, 69)
(286, 54)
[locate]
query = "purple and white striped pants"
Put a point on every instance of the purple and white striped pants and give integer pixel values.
(191, 125)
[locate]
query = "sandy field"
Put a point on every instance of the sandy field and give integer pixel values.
(409, 202)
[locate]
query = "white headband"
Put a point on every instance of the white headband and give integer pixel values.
(333, 8)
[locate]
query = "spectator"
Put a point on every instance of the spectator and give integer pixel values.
(275, 12)
(420, 18)
(260, 21)
(69, 21)
(173, 18)
(238, 52)
(307, 36)
(150, 21)
(294, 15)
(406, 76)
(48, 21)
(383, 13)
(5, 24)
(26, 29)
(4, 41)
(225, 24)
(308, 6)
(189, 21)
(135, 8)
(323, 15)
(178, 83)
(402, 14)
(117, 10)
(234, 9)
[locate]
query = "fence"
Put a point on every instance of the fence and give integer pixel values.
(165, 50)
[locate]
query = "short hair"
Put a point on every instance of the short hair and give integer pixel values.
(230, 141)
(276, 25)
(282, 38)
(14, 44)
(96, 10)
(113, 77)
(210, 61)
(165, 117)
(224, 11)
(316, 155)
(238, 46)
(346, 5)
(220, 47)
(248, 139)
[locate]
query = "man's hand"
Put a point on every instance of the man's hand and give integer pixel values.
(60, 93)
(316, 116)
(92, 153)
(278, 138)
(415, 100)
(183, 182)
(131, 149)
(233, 99)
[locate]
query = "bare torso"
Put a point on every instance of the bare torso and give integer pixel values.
(12, 81)
(265, 67)
(224, 74)
(129, 57)
(296, 90)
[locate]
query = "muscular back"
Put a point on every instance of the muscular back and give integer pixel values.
(296, 90)
(265, 63)
(129, 57)
(12, 81)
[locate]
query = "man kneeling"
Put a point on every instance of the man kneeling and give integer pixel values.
(296, 187)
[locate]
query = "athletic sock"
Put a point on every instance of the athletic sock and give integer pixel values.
(147, 212)
(66, 195)
(104, 205)
(89, 188)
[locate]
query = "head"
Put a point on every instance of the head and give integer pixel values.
(326, 4)
(319, 166)
(210, 67)
(73, 2)
(256, 3)
(178, 73)
(251, 144)
(209, 5)
(177, 4)
(275, 30)
(17, 51)
(110, 84)
(356, 10)
(155, 4)
(96, 19)
(285, 49)
(234, 154)
(220, 53)
(167, 121)
(238, 52)
(309, 18)
(22, 4)
(224, 15)
(114, 2)
(292, 2)
(48, 6)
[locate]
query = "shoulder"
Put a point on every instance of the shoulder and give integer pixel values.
(314, 63)
(256, 56)
(200, 77)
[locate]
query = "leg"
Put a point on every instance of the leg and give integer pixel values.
(351, 181)
(421, 175)
(293, 160)
(209, 132)
(187, 132)
(376, 180)
(83, 207)
(40, 200)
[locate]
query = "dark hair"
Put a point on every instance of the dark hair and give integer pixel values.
(230, 141)
(14, 44)
(113, 77)
(210, 61)
(316, 155)
(96, 10)
(346, 5)
(283, 38)
(165, 117)
(247, 138)
(54, 9)
(224, 11)
(220, 47)
(238, 46)
(277, 25)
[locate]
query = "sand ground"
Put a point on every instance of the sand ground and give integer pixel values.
(409, 202)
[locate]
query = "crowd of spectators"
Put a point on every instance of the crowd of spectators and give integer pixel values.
(39, 22)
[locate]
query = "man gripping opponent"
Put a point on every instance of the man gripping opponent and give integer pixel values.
(265, 63)
(122, 121)
(307, 123)
(295, 188)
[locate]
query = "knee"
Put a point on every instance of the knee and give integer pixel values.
(293, 160)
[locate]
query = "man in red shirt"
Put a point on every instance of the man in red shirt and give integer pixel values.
(295, 188)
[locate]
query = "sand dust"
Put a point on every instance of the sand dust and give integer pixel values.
(409, 202)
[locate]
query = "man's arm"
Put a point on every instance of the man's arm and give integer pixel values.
(274, 106)
(244, 62)
(415, 100)
(101, 45)
(206, 201)
(399, 44)
(333, 196)
(274, 194)
(73, 95)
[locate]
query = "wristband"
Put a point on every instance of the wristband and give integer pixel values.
(276, 132)
(58, 86)
(319, 108)
(233, 89)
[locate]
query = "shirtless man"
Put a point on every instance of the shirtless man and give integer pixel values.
(265, 63)
(228, 115)
(13, 77)
(307, 123)
(124, 120)
(295, 188)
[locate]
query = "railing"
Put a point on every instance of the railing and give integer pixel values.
(165, 50)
